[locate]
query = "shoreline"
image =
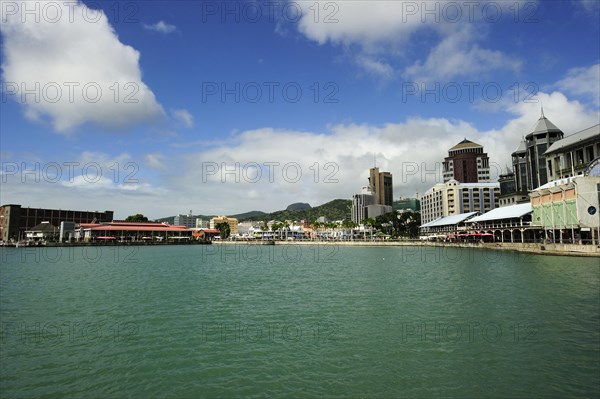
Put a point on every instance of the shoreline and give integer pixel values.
(532, 248)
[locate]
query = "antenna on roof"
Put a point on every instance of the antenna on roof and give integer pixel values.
(542, 109)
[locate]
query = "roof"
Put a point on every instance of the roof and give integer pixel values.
(479, 185)
(543, 125)
(465, 144)
(107, 227)
(449, 220)
(507, 212)
(575, 138)
(558, 182)
(522, 147)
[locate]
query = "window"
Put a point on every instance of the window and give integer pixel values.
(578, 157)
(590, 153)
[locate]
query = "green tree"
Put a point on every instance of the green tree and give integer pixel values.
(136, 218)
(224, 230)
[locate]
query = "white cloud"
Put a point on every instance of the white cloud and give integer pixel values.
(455, 56)
(79, 69)
(183, 116)
(161, 27)
(155, 161)
(380, 69)
(584, 81)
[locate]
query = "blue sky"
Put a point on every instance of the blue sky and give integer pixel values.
(227, 107)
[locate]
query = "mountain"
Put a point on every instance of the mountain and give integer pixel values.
(247, 215)
(338, 209)
(298, 206)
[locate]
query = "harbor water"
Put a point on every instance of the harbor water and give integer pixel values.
(297, 321)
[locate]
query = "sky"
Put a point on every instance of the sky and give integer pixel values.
(223, 107)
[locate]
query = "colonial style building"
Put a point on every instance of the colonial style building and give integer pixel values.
(568, 209)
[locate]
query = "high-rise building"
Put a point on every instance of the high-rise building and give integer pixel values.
(380, 184)
(360, 202)
(467, 163)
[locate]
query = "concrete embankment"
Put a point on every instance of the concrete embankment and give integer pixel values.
(533, 248)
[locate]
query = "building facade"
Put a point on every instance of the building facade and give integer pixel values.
(16, 220)
(407, 204)
(188, 220)
(380, 184)
(568, 209)
(453, 198)
(571, 156)
(467, 163)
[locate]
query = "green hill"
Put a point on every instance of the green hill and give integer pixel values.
(338, 209)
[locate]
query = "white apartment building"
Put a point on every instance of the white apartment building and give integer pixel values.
(453, 198)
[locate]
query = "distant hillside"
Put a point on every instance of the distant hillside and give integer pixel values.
(298, 206)
(247, 215)
(338, 209)
(241, 216)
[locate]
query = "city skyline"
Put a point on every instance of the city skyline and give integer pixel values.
(254, 108)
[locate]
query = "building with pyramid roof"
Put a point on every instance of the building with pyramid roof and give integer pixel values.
(541, 136)
(467, 163)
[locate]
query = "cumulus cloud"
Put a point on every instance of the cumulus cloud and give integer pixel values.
(155, 161)
(77, 69)
(267, 169)
(161, 27)
(335, 164)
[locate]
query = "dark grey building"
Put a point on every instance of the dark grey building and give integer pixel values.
(16, 220)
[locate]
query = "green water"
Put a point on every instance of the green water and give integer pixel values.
(291, 321)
